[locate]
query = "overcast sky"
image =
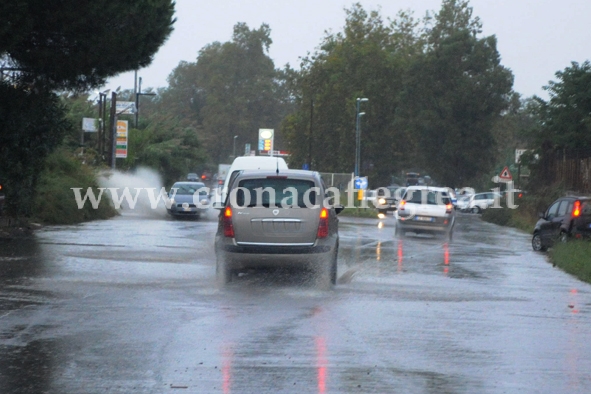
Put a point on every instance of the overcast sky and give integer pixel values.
(536, 38)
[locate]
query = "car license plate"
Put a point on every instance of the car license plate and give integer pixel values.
(186, 209)
(423, 219)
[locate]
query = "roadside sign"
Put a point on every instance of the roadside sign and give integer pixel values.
(125, 107)
(89, 125)
(360, 182)
(121, 150)
(506, 174)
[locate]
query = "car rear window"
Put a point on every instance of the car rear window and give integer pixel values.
(425, 196)
(278, 192)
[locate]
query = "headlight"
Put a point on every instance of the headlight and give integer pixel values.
(382, 201)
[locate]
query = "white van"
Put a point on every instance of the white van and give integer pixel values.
(251, 163)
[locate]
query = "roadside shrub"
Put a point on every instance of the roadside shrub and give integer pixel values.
(500, 216)
(574, 258)
(54, 202)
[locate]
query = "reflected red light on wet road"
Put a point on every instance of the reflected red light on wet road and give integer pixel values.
(400, 254)
(445, 259)
(321, 363)
(227, 356)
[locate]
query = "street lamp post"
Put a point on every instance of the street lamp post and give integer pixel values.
(102, 115)
(234, 148)
(358, 116)
(137, 102)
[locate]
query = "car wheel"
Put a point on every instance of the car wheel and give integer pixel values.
(563, 237)
(475, 210)
(536, 243)
(223, 273)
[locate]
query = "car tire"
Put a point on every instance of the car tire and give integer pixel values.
(475, 210)
(536, 243)
(223, 272)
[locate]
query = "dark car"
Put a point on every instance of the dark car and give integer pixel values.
(567, 217)
(189, 199)
(387, 198)
(277, 219)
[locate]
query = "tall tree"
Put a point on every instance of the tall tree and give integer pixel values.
(233, 89)
(455, 92)
(78, 44)
(367, 60)
(67, 45)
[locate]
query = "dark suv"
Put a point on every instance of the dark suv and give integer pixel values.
(565, 218)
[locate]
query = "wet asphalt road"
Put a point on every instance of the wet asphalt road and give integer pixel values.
(130, 305)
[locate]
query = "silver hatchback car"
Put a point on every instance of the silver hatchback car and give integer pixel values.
(277, 218)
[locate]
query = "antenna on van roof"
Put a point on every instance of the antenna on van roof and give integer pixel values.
(277, 171)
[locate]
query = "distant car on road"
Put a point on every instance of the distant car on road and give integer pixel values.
(192, 177)
(567, 217)
(276, 218)
(481, 201)
(388, 198)
(425, 209)
(189, 200)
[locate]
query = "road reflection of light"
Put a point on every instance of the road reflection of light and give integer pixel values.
(445, 259)
(321, 363)
(573, 303)
(379, 250)
(227, 357)
(400, 254)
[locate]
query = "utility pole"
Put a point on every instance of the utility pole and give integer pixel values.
(113, 129)
(310, 139)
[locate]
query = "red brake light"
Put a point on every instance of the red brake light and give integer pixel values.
(203, 176)
(577, 209)
(323, 224)
(227, 222)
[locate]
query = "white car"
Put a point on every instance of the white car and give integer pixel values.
(481, 201)
(425, 209)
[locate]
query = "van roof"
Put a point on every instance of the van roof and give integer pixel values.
(255, 162)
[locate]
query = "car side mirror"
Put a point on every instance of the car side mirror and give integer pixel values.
(339, 208)
(541, 215)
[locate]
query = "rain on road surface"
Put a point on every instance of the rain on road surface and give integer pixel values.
(130, 305)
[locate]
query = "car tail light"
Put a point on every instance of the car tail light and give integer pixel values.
(401, 205)
(227, 222)
(323, 224)
(577, 209)
(448, 208)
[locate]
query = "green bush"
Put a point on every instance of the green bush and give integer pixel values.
(54, 201)
(573, 257)
(500, 216)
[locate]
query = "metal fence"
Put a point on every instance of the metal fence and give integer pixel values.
(340, 181)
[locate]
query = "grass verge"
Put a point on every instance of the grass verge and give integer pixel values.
(573, 257)
(54, 201)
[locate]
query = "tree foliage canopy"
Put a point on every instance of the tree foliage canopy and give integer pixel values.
(435, 91)
(72, 44)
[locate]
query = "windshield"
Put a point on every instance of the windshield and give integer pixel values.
(189, 189)
(276, 192)
(424, 196)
